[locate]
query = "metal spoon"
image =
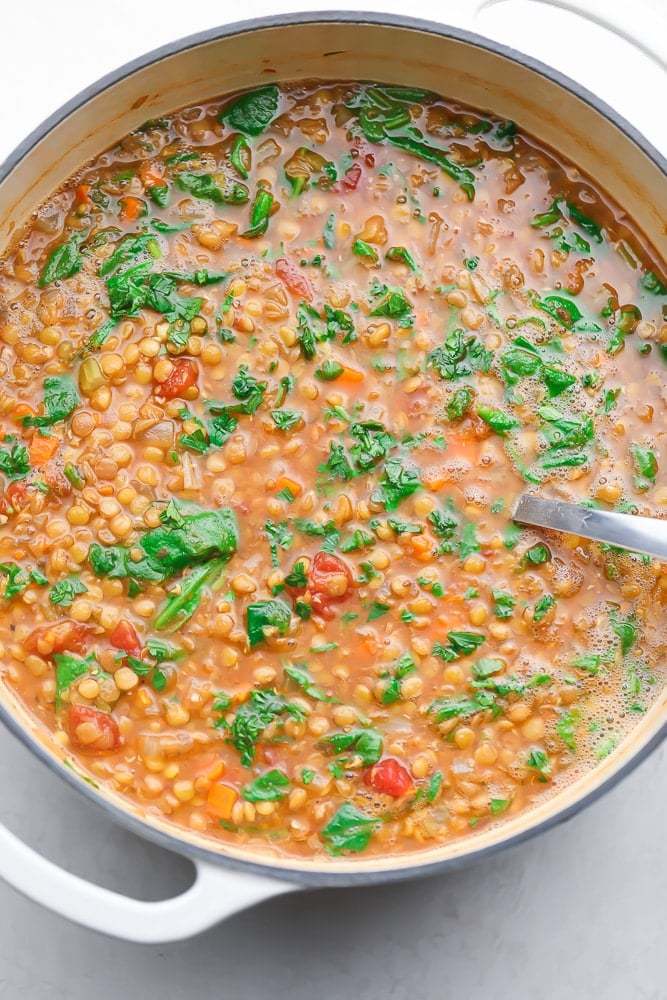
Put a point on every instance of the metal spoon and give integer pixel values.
(628, 531)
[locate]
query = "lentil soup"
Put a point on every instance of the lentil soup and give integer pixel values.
(274, 371)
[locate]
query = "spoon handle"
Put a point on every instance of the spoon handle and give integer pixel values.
(627, 531)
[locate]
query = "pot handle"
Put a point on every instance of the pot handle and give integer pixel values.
(641, 31)
(215, 894)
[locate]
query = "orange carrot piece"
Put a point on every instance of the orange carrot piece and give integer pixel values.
(150, 176)
(82, 198)
(435, 479)
(24, 410)
(131, 208)
(105, 489)
(350, 375)
(42, 449)
(285, 483)
(220, 800)
(420, 544)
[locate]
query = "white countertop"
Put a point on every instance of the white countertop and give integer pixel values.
(578, 913)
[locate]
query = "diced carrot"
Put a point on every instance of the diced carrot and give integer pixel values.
(420, 544)
(435, 479)
(24, 410)
(131, 208)
(42, 449)
(82, 198)
(350, 375)
(210, 767)
(150, 176)
(220, 800)
(105, 489)
(285, 483)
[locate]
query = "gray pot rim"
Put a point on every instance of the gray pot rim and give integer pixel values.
(132, 822)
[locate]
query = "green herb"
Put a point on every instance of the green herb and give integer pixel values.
(498, 806)
(397, 483)
(377, 610)
(405, 665)
(646, 466)
(189, 534)
(15, 462)
(434, 786)
(403, 527)
(263, 615)
(391, 303)
(371, 443)
(19, 580)
(567, 726)
(459, 356)
(536, 555)
(363, 249)
(503, 604)
(542, 606)
(329, 370)
(253, 716)
(486, 667)
(74, 476)
(300, 676)
(651, 283)
(64, 261)
(63, 593)
(253, 112)
(60, 399)
(625, 628)
(297, 577)
(511, 535)
(366, 744)
(247, 390)
(260, 211)
(459, 404)
(401, 255)
(240, 156)
(590, 662)
(269, 787)
(286, 419)
(307, 775)
(461, 706)
(205, 186)
(586, 223)
(498, 421)
(279, 536)
(368, 573)
(360, 539)
(178, 608)
(458, 644)
(539, 761)
(348, 830)
(68, 668)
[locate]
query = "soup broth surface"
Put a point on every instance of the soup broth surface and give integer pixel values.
(275, 370)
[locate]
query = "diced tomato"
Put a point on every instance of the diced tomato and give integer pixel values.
(124, 636)
(150, 175)
(17, 497)
(131, 208)
(323, 569)
(294, 278)
(101, 733)
(182, 378)
(351, 177)
(389, 778)
(65, 635)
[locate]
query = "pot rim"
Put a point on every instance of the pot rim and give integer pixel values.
(131, 820)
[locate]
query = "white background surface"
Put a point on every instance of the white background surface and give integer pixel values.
(580, 912)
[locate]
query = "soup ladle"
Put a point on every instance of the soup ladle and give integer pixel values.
(628, 531)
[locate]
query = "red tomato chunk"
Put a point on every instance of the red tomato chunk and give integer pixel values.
(389, 777)
(93, 730)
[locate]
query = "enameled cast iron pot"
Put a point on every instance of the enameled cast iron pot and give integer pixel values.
(466, 68)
